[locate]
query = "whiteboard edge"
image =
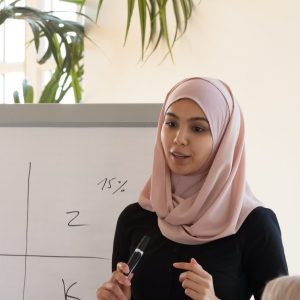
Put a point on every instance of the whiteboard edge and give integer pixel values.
(80, 115)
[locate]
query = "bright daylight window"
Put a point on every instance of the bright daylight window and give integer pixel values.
(17, 60)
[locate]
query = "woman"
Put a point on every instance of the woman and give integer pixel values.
(283, 288)
(210, 237)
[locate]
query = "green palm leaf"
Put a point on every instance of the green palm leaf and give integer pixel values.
(27, 93)
(130, 7)
(143, 19)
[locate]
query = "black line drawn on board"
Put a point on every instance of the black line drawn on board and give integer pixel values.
(27, 222)
(76, 216)
(54, 256)
(67, 296)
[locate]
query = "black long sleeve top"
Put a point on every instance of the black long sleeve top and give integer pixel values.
(240, 264)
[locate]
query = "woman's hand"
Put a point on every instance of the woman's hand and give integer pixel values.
(197, 283)
(118, 286)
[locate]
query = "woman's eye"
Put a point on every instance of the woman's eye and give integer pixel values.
(170, 124)
(197, 129)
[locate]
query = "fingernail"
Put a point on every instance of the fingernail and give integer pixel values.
(119, 265)
(193, 260)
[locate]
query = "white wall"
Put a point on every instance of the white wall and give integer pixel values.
(252, 45)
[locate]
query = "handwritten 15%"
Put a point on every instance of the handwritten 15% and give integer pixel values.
(112, 184)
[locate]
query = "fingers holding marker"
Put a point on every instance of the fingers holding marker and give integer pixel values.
(122, 267)
(118, 286)
(119, 275)
(110, 291)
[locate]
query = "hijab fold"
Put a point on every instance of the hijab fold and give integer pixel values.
(214, 202)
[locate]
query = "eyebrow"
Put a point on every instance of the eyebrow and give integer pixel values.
(191, 119)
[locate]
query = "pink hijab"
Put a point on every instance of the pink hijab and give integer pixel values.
(214, 202)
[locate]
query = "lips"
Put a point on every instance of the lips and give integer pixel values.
(179, 155)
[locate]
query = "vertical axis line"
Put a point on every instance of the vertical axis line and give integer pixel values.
(27, 221)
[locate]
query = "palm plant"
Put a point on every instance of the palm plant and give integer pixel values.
(64, 43)
(65, 40)
(154, 13)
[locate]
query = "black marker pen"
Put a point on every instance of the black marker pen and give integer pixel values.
(137, 254)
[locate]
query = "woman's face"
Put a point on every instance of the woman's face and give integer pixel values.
(186, 137)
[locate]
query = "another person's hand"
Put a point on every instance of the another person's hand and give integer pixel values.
(118, 286)
(197, 283)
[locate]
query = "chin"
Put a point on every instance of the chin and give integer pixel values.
(180, 172)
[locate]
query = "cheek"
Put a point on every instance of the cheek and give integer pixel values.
(206, 148)
(164, 139)
(209, 148)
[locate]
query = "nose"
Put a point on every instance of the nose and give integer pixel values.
(181, 137)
